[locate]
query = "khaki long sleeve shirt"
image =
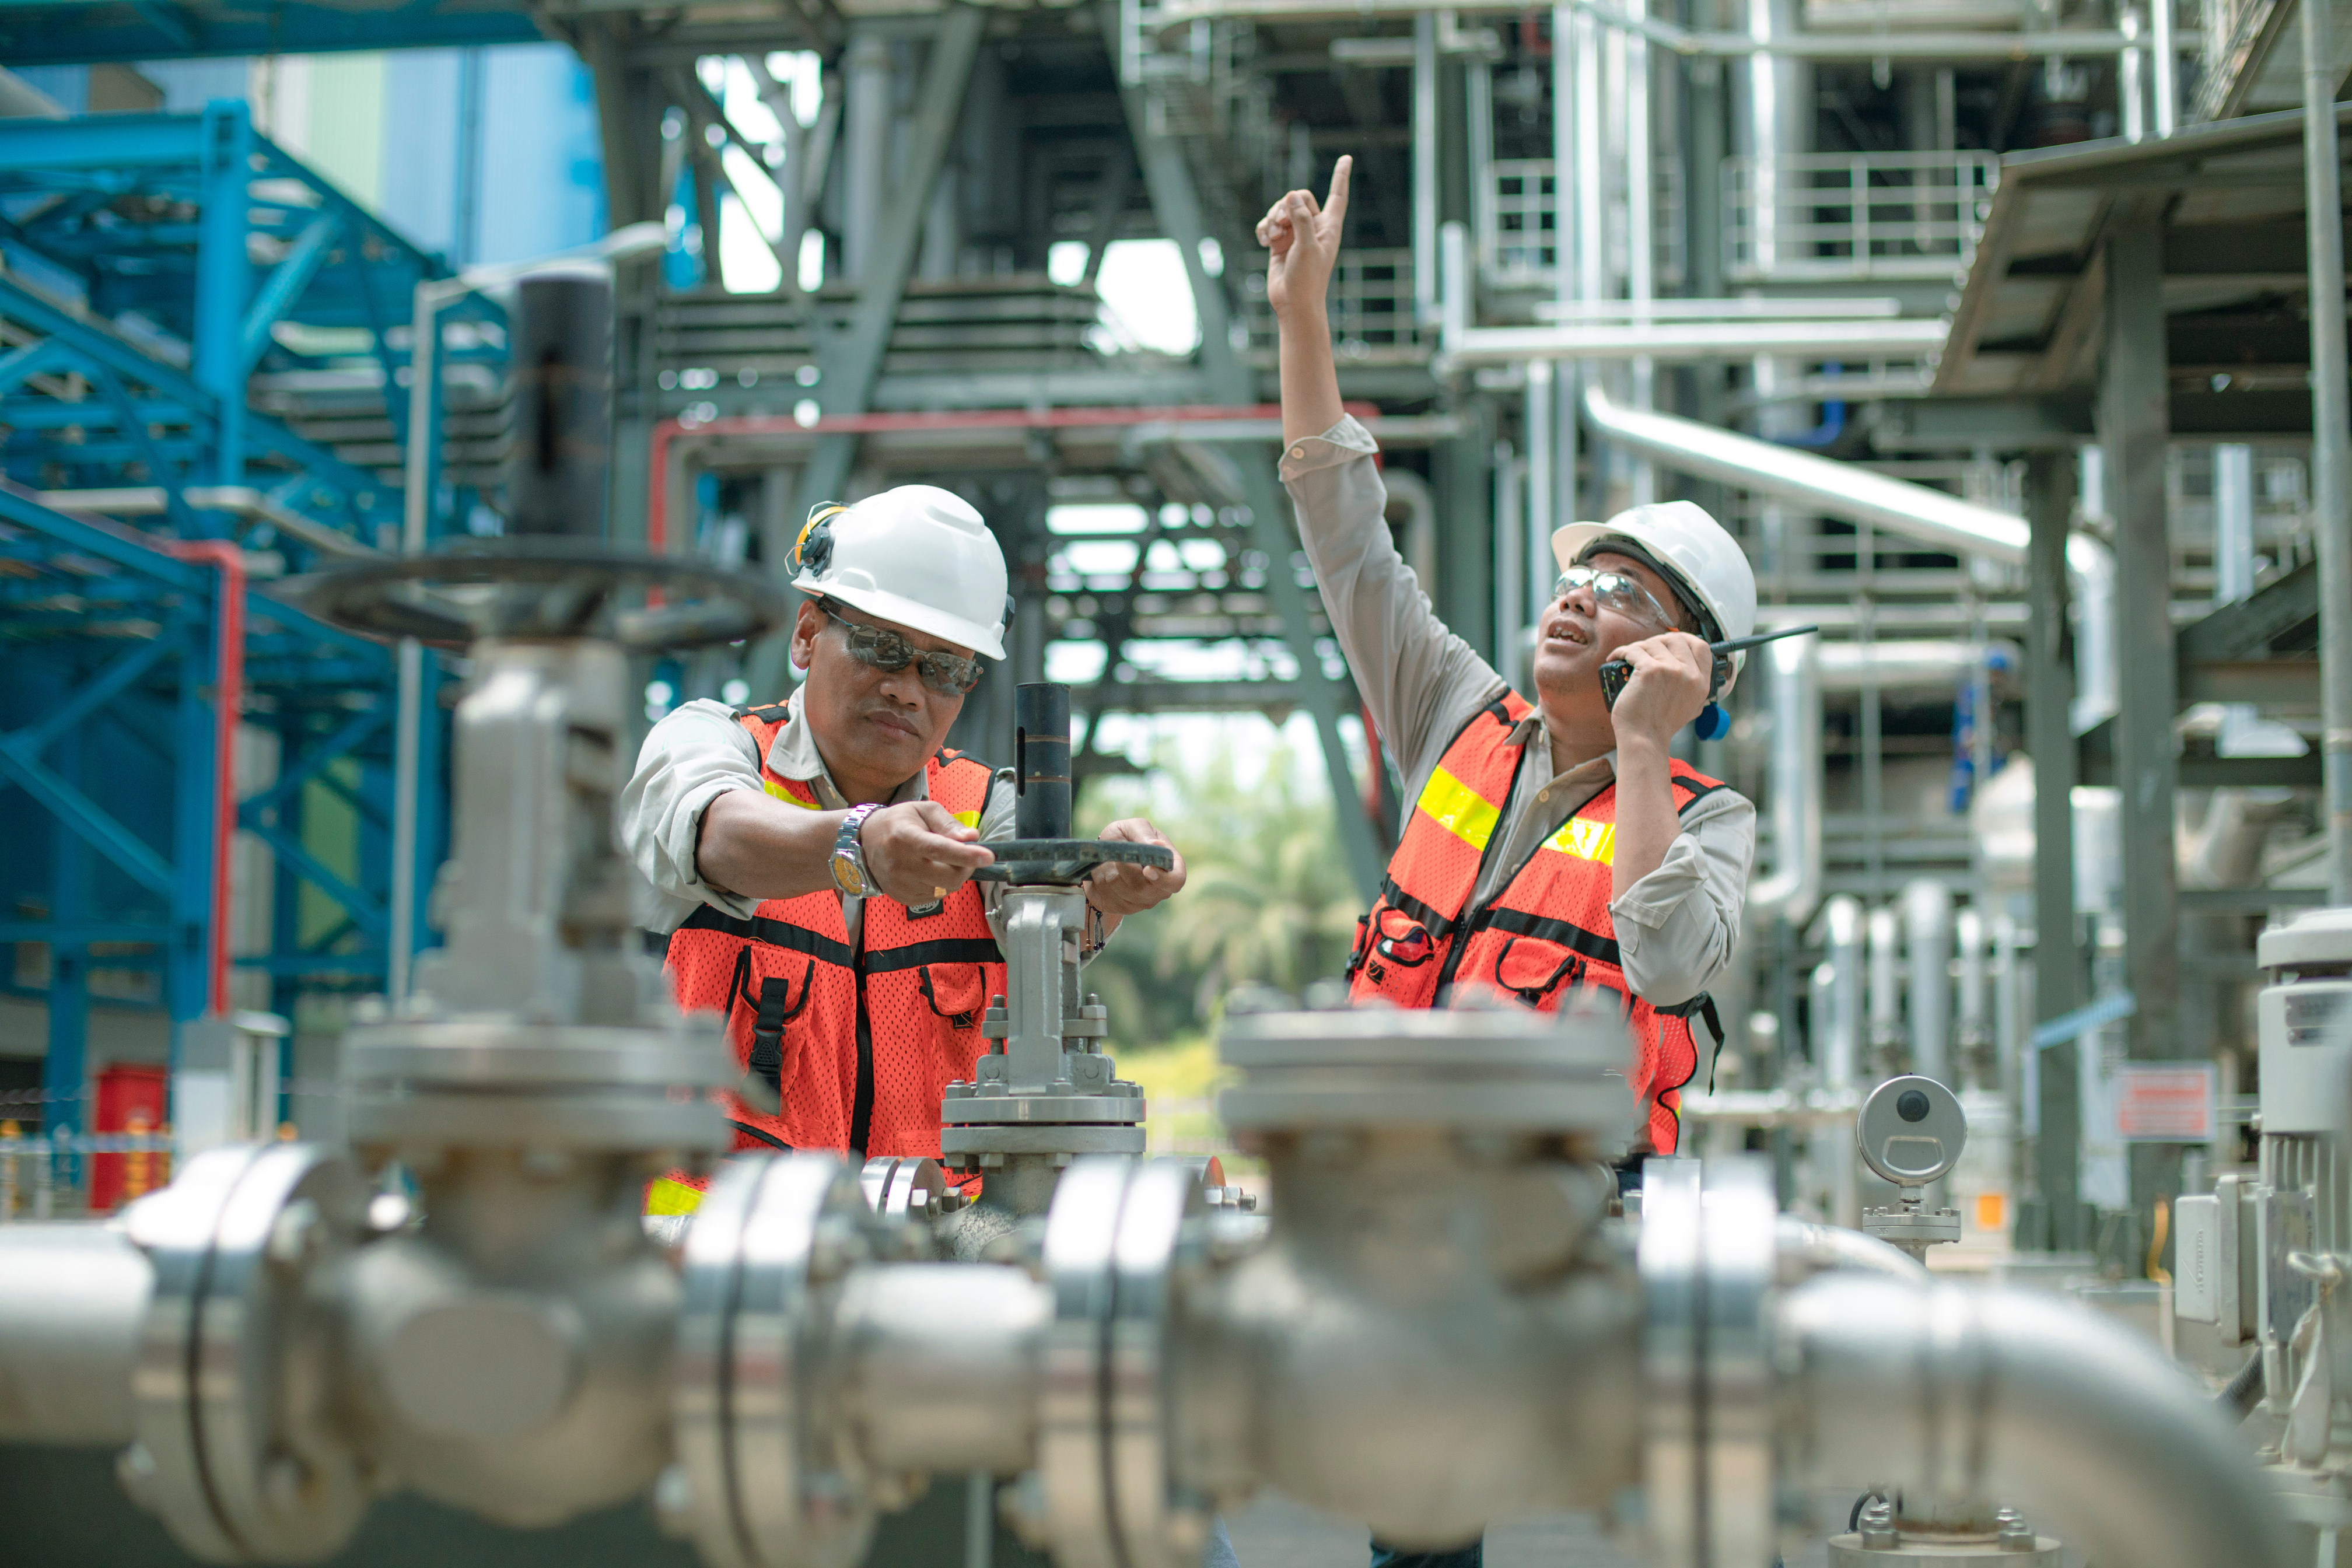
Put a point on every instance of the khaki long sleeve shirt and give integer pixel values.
(697, 753)
(1676, 926)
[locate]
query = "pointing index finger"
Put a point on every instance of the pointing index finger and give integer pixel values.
(1336, 204)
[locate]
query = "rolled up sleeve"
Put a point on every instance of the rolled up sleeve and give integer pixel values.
(691, 758)
(1677, 926)
(1420, 680)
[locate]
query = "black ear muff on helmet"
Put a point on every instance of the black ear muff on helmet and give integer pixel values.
(813, 550)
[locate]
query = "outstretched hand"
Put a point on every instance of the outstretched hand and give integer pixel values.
(1302, 238)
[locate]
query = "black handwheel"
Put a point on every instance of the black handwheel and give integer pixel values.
(1067, 860)
(542, 588)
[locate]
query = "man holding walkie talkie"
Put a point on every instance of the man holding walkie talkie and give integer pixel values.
(1554, 847)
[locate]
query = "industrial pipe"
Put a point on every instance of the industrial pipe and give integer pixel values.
(1792, 696)
(1927, 937)
(1915, 512)
(1953, 1393)
(1971, 1032)
(1806, 1249)
(1935, 663)
(2331, 440)
(1885, 986)
(1842, 936)
(69, 1328)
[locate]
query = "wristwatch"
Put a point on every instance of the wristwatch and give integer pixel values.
(849, 855)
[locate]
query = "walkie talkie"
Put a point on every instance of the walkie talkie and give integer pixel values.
(1616, 673)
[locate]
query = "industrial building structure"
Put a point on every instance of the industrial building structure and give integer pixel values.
(1989, 328)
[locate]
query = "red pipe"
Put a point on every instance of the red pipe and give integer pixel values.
(228, 705)
(669, 430)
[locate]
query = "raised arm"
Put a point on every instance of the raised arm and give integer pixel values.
(1420, 680)
(1302, 240)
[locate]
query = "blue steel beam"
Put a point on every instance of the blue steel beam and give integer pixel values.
(88, 819)
(112, 682)
(24, 363)
(223, 277)
(285, 285)
(82, 32)
(363, 906)
(358, 729)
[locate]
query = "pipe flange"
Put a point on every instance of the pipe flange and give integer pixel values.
(1706, 1259)
(761, 1481)
(1114, 1239)
(234, 1453)
(903, 1187)
(1503, 1069)
(498, 1083)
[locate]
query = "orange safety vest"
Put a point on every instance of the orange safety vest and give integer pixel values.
(1546, 933)
(857, 1041)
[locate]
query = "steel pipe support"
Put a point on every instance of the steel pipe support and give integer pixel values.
(74, 1303)
(1954, 1393)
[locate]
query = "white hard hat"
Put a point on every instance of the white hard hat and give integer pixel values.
(1692, 551)
(917, 556)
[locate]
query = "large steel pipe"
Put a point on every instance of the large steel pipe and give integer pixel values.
(1952, 1393)
(70, 1322)
(927, 1400)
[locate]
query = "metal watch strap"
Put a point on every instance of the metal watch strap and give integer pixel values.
(846, 845)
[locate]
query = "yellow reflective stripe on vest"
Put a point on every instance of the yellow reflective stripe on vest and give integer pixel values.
(1459, 809)
(969, 819)
(664, 1196)
(1586, 840)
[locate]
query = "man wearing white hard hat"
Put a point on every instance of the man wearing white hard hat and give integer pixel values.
(812, 858)
(1554, 845)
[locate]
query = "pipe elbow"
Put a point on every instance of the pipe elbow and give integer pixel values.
(1807, 1249)
(1951, 1392)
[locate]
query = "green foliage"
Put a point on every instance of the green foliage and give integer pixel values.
(1267, 898)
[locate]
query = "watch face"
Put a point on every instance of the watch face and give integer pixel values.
(848, 875)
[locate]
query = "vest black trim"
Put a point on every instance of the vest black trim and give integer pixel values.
(1543, 928)
(1437, 925)
(768, 1138)
(946, 950)
(774, 932)
(1697, 793)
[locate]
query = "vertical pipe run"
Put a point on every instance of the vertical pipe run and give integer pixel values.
(1928, 928)
(2331, 440)
(2167, 75)
(1041, 751)
(560, 365)
(1885, 987)
(1641, 247)
(2131, 92)
(1425, 168)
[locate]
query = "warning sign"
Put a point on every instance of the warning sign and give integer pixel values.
(2166, 1102)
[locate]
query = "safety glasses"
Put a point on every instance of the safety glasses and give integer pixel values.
(877, 649)
(1615, 591)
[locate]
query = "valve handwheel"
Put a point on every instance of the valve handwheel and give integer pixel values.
(1066, 861)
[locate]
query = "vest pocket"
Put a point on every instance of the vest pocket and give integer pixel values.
(1532, 969)
(956, 992)
(1401, 939)
(773, 1000)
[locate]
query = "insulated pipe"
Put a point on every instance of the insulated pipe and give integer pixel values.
(1934, 662)
(1886, 981)
(2007, 1005)
(1928, 936)
(1807, 1249)
(1842, 931)
(1948, 1392)
(71, 1321)
(2331, 440)
(560, 366)
(1793, 698)
(1857, 495)
(1969, 940)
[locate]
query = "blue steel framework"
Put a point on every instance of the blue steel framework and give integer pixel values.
(175, 256)
(75, 32)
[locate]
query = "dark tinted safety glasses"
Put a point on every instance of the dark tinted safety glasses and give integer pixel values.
(886, 650)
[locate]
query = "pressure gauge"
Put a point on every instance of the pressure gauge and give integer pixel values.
(1911, 1130)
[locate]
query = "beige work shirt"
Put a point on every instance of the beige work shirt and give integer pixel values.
(1676, 926)
(699, 752)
